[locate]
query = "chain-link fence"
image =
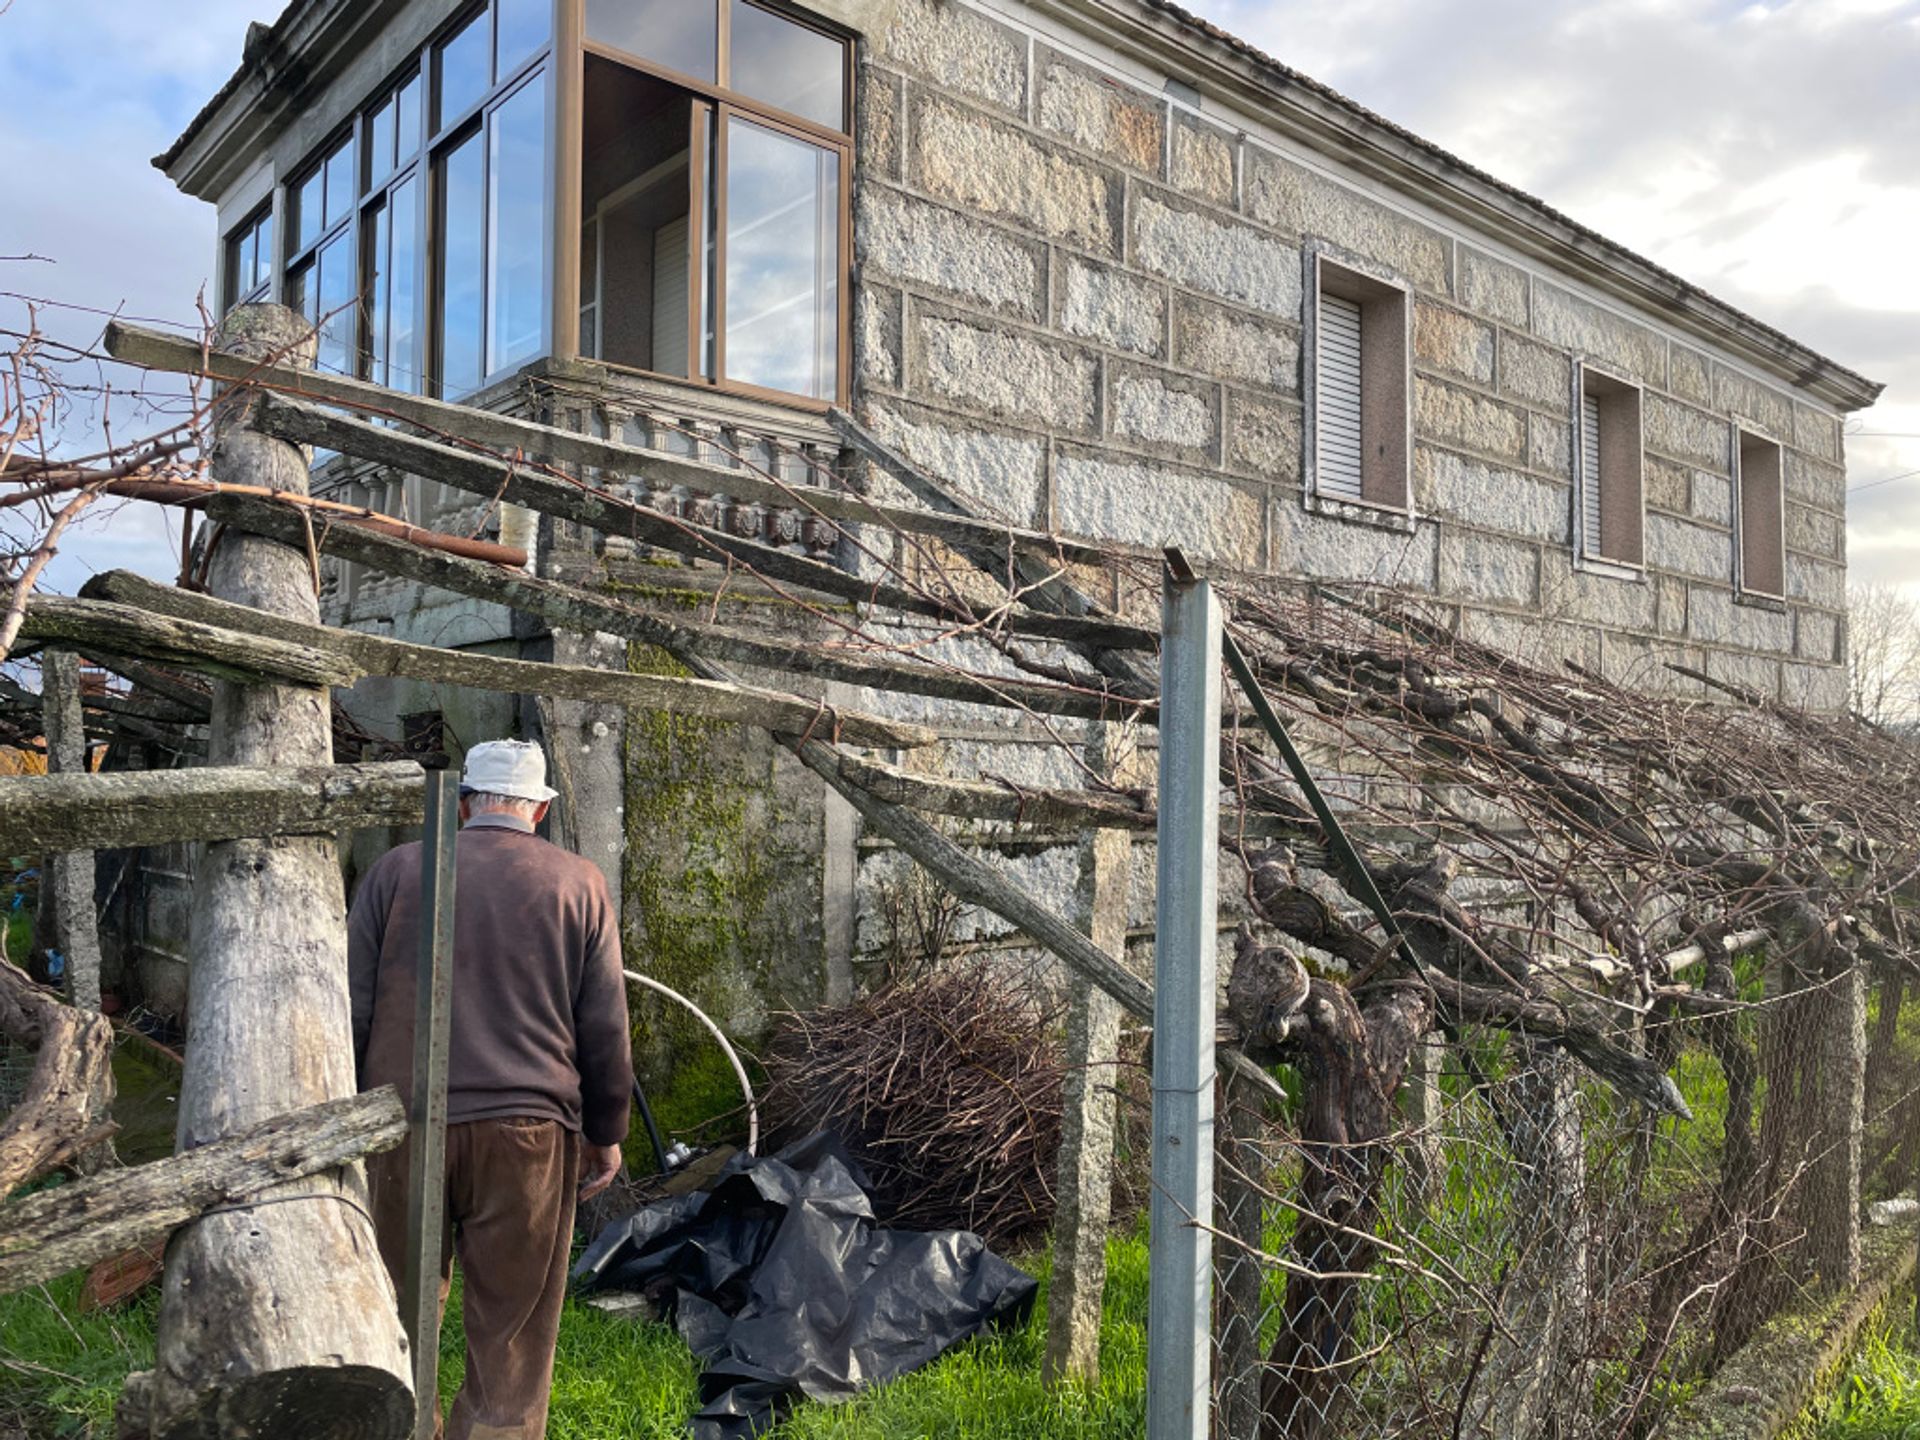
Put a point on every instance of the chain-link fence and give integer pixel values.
(1525, 1253)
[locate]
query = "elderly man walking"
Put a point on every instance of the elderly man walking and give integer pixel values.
(540, 1072)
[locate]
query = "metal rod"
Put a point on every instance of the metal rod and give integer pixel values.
(1180, 1266)
(433, 1014)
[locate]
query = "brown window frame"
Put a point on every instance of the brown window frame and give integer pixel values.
(1385, 302)
(1622, 481)
(1759, 513)
(719, 104)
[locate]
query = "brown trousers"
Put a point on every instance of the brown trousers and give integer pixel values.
(511, 1186)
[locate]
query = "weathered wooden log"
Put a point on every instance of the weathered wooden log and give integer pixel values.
(127, 809)
(377, 655)
(569, 607)
(502, 480)
(59, 1114)
(76, 929)
(48, 1235)
(279, 1318)
(184, 691)
(136, 345)
(183, 644)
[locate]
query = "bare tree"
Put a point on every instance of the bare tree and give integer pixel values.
(1883, 653)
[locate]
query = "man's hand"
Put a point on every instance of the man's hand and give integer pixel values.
(597, 1168)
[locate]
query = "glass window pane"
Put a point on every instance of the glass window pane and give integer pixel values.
(465, 71)
(783, 261)
(403, 293)
(380, 153)
(517, 227)
(525, 26)
(463, 249)
(336, 315)
(407, 124)
(263, 253)
(682, 35)
(300, 290)
(788, 65)
(309, 210)
(340, 188)
(377, 226)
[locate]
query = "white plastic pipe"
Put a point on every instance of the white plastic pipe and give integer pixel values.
(733, 1056)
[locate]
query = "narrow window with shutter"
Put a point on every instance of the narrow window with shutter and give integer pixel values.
(1609, 479)
(1339, 401)
(1763, 546)
(1361, 380)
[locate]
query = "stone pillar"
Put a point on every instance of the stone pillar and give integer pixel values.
(69, 878)
(1238, 1269)
(1838, 1073)
(1085, 1188)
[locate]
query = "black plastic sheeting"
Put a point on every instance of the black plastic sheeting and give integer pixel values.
(784, 1285)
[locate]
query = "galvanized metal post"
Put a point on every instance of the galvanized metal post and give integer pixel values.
(432, 1017)
(1180, 1276)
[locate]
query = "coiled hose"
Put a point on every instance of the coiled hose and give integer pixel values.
(733, 1056)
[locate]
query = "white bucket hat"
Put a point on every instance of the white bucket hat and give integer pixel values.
(508, 767)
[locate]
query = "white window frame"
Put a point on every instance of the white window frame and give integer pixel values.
(1585, 557)
(1742, 429)
(1324, 261)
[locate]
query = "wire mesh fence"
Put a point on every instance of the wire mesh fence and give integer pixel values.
(1527, 1254)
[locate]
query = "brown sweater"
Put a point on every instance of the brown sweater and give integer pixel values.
(539, 1004)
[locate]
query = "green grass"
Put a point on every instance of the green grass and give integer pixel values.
(617, 1380)
(1880, 1397)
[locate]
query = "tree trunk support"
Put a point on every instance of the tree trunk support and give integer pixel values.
(70, 872)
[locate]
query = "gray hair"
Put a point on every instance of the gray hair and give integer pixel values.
(486, 802)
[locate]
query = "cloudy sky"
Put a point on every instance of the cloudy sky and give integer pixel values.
(1770, 152)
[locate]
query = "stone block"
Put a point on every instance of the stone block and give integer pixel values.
(958, 48)
(1684, 433)
(1691, 376)
(877, 354)
(1550, 447)
(1817, 636)
(1816, 432)
(1715, 617)
(964, 157)
(1221, 257)
(1713, 498)
(1455, 487)
(1163, 411)
(1203, 160)
(1816, 582)
(1479, 567)
(1453, 416)
(1758, 673)
(1684, 548)
(1667, 486)
(1327, 547)
(1111, 498)
(1493, 288)
(1289, 197)
(1737, 394)
(877, 129)
(1233, 344)
(1811, 482)
(1537, 374)
(1564, 319)
(1821, 689)
(1531, 640)
(1114, 120)
(1447, 340)
(1673, 604)
(908, 240)
(1005, 372)
(1112, 307)
(1003, 470)
(1263, 438)
(1618, 602)
(1815, 532)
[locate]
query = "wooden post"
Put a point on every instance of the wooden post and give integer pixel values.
(70, 874)
(277, 1315)
(1085, 1198)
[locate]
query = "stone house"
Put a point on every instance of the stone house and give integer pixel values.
(1103, 267)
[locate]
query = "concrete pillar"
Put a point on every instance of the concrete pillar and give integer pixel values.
(1239, 1272)
(69, 878)
(1839, 1081)
(1085, 1188)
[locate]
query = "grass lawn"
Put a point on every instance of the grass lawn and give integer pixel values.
(614, 1380)
(1880, 1397)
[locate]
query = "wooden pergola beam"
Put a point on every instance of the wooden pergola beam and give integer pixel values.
(124, 810)
(569, 607)
(380, 656)
(100, 626)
